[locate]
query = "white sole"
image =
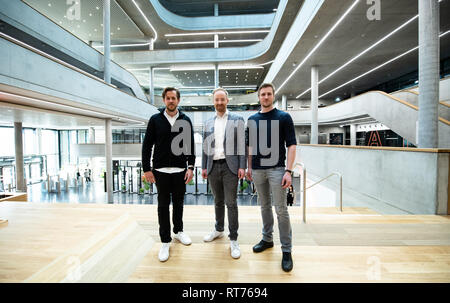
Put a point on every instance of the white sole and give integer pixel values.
(218, 237)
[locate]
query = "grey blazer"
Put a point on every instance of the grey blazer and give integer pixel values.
(234, 144)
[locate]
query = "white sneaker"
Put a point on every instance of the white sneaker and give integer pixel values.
(183, 238)
(213, 235)
(164, 252)
(235, 251)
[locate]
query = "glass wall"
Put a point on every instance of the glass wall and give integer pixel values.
(133, 135)
(7, 135)
(49, 141)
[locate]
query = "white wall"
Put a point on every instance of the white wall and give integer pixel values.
(413, 181)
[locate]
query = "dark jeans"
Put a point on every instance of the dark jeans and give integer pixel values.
(170, 185)
(224, 188)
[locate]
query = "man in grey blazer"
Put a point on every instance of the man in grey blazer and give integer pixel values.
(224, 163)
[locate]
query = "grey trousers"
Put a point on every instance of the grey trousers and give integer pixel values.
(266, 181)
(224, 188)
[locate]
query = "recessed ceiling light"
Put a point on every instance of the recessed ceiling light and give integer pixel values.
(90, 14)
(50, 5)
(319, 44)
(97, 8)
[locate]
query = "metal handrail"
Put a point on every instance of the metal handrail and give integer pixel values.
(323, 179)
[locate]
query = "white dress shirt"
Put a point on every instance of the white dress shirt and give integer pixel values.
(170, 170)
(220, 124)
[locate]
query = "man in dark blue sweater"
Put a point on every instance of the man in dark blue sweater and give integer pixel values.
(170, 136)
(269, 133)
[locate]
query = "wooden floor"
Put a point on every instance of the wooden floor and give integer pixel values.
(120, 243)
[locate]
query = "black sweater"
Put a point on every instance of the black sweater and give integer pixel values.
(159, 135)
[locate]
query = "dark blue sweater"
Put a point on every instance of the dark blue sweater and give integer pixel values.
(267, 132)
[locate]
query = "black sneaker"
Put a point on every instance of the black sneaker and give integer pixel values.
(286, 262)
(262, 246)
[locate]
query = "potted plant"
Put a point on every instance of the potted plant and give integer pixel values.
(146, 184)
(124, 188)
(243, 186)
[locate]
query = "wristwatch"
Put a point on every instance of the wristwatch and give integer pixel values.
(191, 167)
(289, 171)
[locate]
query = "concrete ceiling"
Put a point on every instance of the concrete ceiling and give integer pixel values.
(125, 16)
(85, 20)
(355, 34)
(197, 8)
(39, 110)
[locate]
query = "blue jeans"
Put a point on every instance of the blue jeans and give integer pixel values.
(267, 181)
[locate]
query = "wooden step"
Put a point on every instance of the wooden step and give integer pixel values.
(123, 242)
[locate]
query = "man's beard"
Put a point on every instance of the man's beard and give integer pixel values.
(171, 108)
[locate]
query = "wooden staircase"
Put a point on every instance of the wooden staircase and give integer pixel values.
(110, 255)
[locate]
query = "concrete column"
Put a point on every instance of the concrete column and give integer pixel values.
(151, 86)
(283, 102)
(352, 134)
(216, 41)
(428, 73)
(151, 45)
(91, 135)
(314, 104)
(18, 144)
(39, 138)
(216, 75)
(216, 9)
(109, 165)
(107, 40)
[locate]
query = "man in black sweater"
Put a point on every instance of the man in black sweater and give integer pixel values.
(170, 136)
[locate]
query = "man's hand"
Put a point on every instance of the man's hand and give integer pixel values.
(241, 173)
(148, 175)
(287, 180)
(188, 176)
(204, 174)
(249, 174)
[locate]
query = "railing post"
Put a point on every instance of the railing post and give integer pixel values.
(340, 192)
(304, 195)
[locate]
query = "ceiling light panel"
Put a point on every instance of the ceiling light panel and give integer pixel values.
(85, 19)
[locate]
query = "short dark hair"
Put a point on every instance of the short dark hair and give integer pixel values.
(168, 89)
(264, 85)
